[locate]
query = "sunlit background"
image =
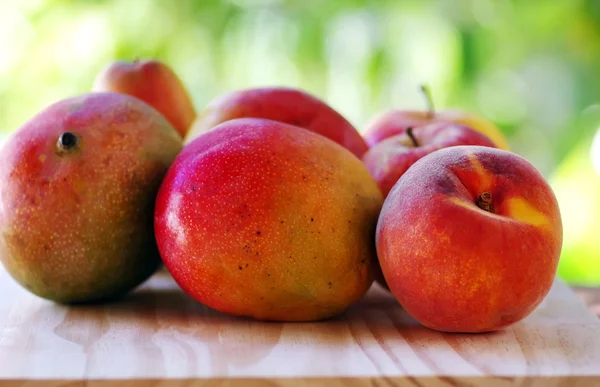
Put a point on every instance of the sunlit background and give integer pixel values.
(530, 66)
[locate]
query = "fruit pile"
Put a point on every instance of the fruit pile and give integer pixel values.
(269, 204)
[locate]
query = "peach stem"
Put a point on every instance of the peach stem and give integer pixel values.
(485, 201)
(430, 108)
(410, 134)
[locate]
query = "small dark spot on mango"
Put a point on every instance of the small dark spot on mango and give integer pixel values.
(329, 284)
(239, 267)
(246, 265)
(268, 274)
(258, 233)
(312, 219)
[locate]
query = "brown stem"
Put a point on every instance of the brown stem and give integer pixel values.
(67, 142)
(430, 108)
(410, 134)
(485, 201)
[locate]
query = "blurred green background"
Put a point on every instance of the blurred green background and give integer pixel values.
(530, 66)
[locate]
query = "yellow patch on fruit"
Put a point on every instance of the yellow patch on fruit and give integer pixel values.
(521, 210)
(483, 126)
(485, 178)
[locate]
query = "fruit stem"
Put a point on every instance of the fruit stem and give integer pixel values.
(430, 108)
(67, 142)
(485, 201)
(410, 134)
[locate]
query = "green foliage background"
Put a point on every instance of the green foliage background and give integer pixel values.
(530, 66)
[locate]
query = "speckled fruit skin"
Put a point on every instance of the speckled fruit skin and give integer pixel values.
(287, 105)
(266, 220)
(155, 83)
(388, 160)
(393, 122)
(456, 267)
(77, 226)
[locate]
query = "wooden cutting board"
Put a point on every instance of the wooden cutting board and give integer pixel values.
(160, 337)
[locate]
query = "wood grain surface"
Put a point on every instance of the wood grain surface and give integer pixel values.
(590, 297)
(158, 336)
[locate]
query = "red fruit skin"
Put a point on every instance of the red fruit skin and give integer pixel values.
(394, 122)
(262, 219)
(388, 160)
(455, 267)
(78, 226)
(153, 82)
(287, 105)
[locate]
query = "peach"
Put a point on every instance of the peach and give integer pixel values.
(388, 160)
(155, 83)
(469, 239)
(395, 121)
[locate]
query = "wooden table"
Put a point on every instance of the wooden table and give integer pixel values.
(160, 337)
(590, 297)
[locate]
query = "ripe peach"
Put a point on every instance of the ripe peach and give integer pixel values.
(388, 160)
(395, 121)
(469, 239)
(155, 83)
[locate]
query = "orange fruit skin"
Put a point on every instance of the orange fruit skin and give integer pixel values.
(266, 220)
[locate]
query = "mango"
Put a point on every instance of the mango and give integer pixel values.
(270, 221)
(78, 183)
(284, 104)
